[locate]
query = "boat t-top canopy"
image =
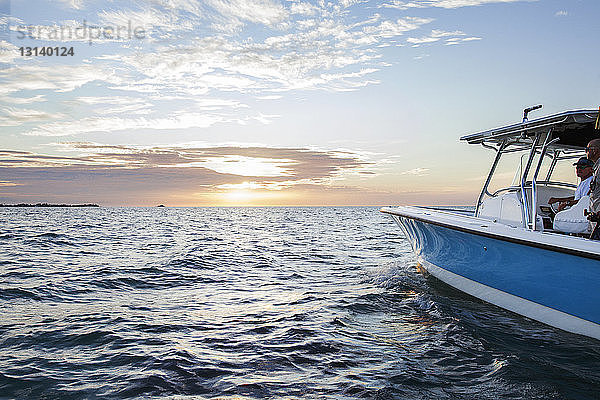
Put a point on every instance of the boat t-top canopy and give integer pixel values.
(555, 137)
(569, 130)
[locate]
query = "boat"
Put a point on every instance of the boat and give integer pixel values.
(511, 248)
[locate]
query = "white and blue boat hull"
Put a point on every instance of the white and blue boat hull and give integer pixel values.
(523, 271)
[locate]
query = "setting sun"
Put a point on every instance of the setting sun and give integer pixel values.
(239, 195)
(248, 194)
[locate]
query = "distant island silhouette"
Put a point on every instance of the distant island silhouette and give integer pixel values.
(48, 205)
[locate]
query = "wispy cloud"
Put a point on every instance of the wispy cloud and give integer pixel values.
(266, 12)
(416, 171)
(8, 52)
(55, 78)
(8, 183)
(213, 51)
(316, 57)
(180, 120)
(24, 100)
(453, 41)
(405, 5)
(450, 38)
(10, 116)
(75, 4)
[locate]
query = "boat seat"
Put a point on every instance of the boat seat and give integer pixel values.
(573, 220)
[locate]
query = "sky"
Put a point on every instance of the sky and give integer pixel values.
(277, 102)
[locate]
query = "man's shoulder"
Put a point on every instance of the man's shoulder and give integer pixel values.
(583, 188)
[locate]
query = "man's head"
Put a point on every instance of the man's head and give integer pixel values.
(593, 150)
(584, 168)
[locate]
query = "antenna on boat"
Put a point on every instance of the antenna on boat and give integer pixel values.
(528, 110)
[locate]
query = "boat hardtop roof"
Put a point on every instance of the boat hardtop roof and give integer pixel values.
(573, 128)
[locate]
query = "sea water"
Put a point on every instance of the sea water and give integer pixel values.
(316, 303)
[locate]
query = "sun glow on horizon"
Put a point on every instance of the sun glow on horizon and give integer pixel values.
(239, 195)
(249, 194)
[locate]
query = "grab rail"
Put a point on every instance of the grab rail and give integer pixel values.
(525, 208)
(539, 183)
(534, 178)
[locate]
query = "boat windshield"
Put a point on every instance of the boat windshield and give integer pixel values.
(543, 152)
(509, 172)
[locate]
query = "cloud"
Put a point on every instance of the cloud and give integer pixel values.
(25, 100)
(327, 55)
(114, 173)
(75, 4)
(416, 171)
(55, 78)
(109, 106)
(436, 35)
(303, 8)
(269, 97)
(179, 120)
(403, 5)
(266, 12)
(17, 116)
(8, 183)
(147, 17)
(453, 41)
(8, 52)
(179, 6)
(189, 75)
(388, 29)
(156, 24)
(258, 162)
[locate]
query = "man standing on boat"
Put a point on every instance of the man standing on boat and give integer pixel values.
(584, 170)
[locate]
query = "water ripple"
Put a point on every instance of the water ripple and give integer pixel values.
(255, 303)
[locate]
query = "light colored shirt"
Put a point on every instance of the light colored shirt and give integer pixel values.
(595, 188)
(583, 188)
